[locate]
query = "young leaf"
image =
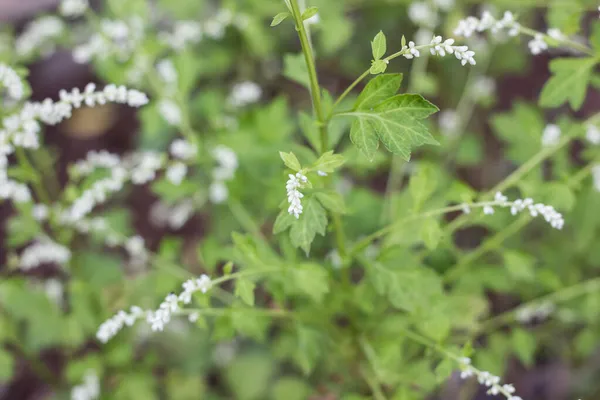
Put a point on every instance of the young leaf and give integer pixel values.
(378, 67)
(312, 221)
(279, 18)
(309, 12)
(378, 46)
(244, 289)
(332, 201)
(290, 160)
(395, 122)
(283, 222)
(431, 233)
(329, 162)
(378, 89)
(569, 82)
(311, 280)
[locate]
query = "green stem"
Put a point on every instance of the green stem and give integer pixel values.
(315, 90)
(224, 311)
(566, 41)
(346, 93)
(559, 296)
(371, 357)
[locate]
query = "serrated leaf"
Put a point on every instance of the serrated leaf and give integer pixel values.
(378, 67)
(569, 82)
(290, 161)
(283, 222)
(431, 233)
(396, 123)
(378, 89)
(332, 201)
(244, 289)
(309, 13)
(328, 162)
(311, 280)
(279, 18)
(378, 46)
(312, 221)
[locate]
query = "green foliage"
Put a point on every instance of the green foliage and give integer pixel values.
(569, 82)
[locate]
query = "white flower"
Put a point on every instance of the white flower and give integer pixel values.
(89, 389)
(176, 173)
(483, 87)
(556, 34)
(218, 192)
(170, 112)
(321, 173)
(109, 328)
(244, 93)
(466, 209)
(167, 72)
(183, 149)
(226, 158)
(449, 122)
(551, 135)
(488, 210)
(73, 8)
(193, 317)
(11, 81)
(315, 19)
(470, 25)
(421, 14)
(596, 177)
(184, 33)
(294, 196)
(43, 252)
(96, 159)
(39, 34)
(174, 217)
(116, 39)
(553, 217)
(412, 51)
(445, 5)
(40, 212)
(592, 134)
(537, 44)
(145, 166)
(538, 311)
(442, 47)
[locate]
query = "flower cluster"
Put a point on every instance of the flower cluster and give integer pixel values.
(553, 217)
(116, 38)
(96, 159)
(168, 108)
(537, 311)
(73, 8)
(487, 379)
(244, 93)
(537, 44)
(227, 165)
(158, 318)
(39, 35)
(441, 48)
(11, 81)
(470, 25)
(551, 135)
(183, 150)
(294, 195)
(12, 190)
(42, 252)
(89, 388)
(174, 217)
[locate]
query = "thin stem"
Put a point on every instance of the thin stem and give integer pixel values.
(346, 93)
(566, 41)
(315, 90)
(339, 234)
(559, 296)
(224, 311)
(371, 357)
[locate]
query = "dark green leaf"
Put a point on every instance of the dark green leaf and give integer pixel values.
(378, 90)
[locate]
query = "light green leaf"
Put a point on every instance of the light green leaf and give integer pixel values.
(378, 67)
(422, 184)
(431, 233)
(312, 221)
(328, 162)
(378, 89)
(332, 201)
(378, 46)
(244, 289)
(396, 123)
(294, 68)
(309, 13)
(415, 290)
(6, 366)
(279, 18)
(308, 348)
(283, 222)
(569, 82)
(519, 265)
(524, 344)
(311, 280)
(290, 388)
(290, 160)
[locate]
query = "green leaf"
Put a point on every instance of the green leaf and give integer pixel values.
(290, 160)
(569, 82)
(311, 280)
(244, 289)
(378, 46)
(309, 13)
(333, 201)
(519, 265)
(328, 162)
(415, 290)
(283, 222)
(396, 123)
(249, 374)
(294, 68)
(279, 18)
(6, 366)
(524, 344)
(431, 233)
(378, 89)
(422, 184)
(312, 221)
(378, 67)
(290, 388)
(308, 349)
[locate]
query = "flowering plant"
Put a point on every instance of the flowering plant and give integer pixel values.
(381, 271)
